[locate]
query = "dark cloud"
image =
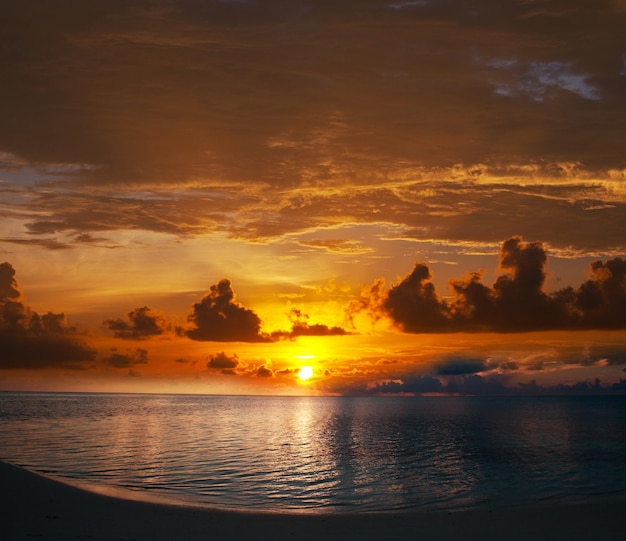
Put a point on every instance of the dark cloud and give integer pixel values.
(516, 302)
(460, 366)
(403, 111)
(135, 90)
(30, 340)
(601, 300)
(127, 360)
(414, 304)
(264, 372)
(9, 290)
(475, 384)
(416, 385)
(143, 323)
(219, 318)
(222, 362)
(301, 327)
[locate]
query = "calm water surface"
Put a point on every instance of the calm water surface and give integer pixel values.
(325, 454)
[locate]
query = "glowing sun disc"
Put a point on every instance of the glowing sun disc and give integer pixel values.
(305, 373)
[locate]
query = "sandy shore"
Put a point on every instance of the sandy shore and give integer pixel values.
(35, 507)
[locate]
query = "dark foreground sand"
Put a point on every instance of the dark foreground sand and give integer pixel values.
(35, 507)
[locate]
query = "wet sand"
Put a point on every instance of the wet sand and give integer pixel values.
(36, 507)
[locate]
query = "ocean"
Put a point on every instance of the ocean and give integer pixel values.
(324, 454)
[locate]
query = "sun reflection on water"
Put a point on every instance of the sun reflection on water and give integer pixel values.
(318, 453)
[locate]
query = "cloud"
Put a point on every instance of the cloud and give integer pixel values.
(9, 290)
(338, 246)
(127, 360)
(601, 300)
(449, 205)
(30, 340)
(219, 318)
(50, 244)
(489, 386)
(301, 327)
(509, 365)
(538, 80)
(460, 366)
(143, 323)
(414, 304)
(223, 363)
(414, 385)
(516, 302)
(188, 114)
(264, 372)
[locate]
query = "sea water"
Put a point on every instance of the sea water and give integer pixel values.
(325, 454)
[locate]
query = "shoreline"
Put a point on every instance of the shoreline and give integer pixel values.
(35, 506)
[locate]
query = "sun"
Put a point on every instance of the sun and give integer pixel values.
(306, 372)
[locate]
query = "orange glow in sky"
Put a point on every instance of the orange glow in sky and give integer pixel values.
(221, 197)
(306, 372)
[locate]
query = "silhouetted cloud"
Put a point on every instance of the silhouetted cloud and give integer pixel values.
(9, 289)
(460, 366)
(414, 304)
(30, 340)
(219, 318)
(413, 385)
(301, 327)
(127, 360)
(264, 372)
(475, 384)
(516, 302)
(142, 323)
(223, 363)
(601, 300)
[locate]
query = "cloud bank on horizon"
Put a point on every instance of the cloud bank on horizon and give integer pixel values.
(516, 303)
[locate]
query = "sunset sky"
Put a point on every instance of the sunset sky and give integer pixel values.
(409, 197)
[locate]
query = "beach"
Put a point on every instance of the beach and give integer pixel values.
(37, 507)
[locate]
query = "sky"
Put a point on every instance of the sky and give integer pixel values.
(408, 197)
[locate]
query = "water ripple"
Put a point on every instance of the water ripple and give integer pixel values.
(328, 454)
